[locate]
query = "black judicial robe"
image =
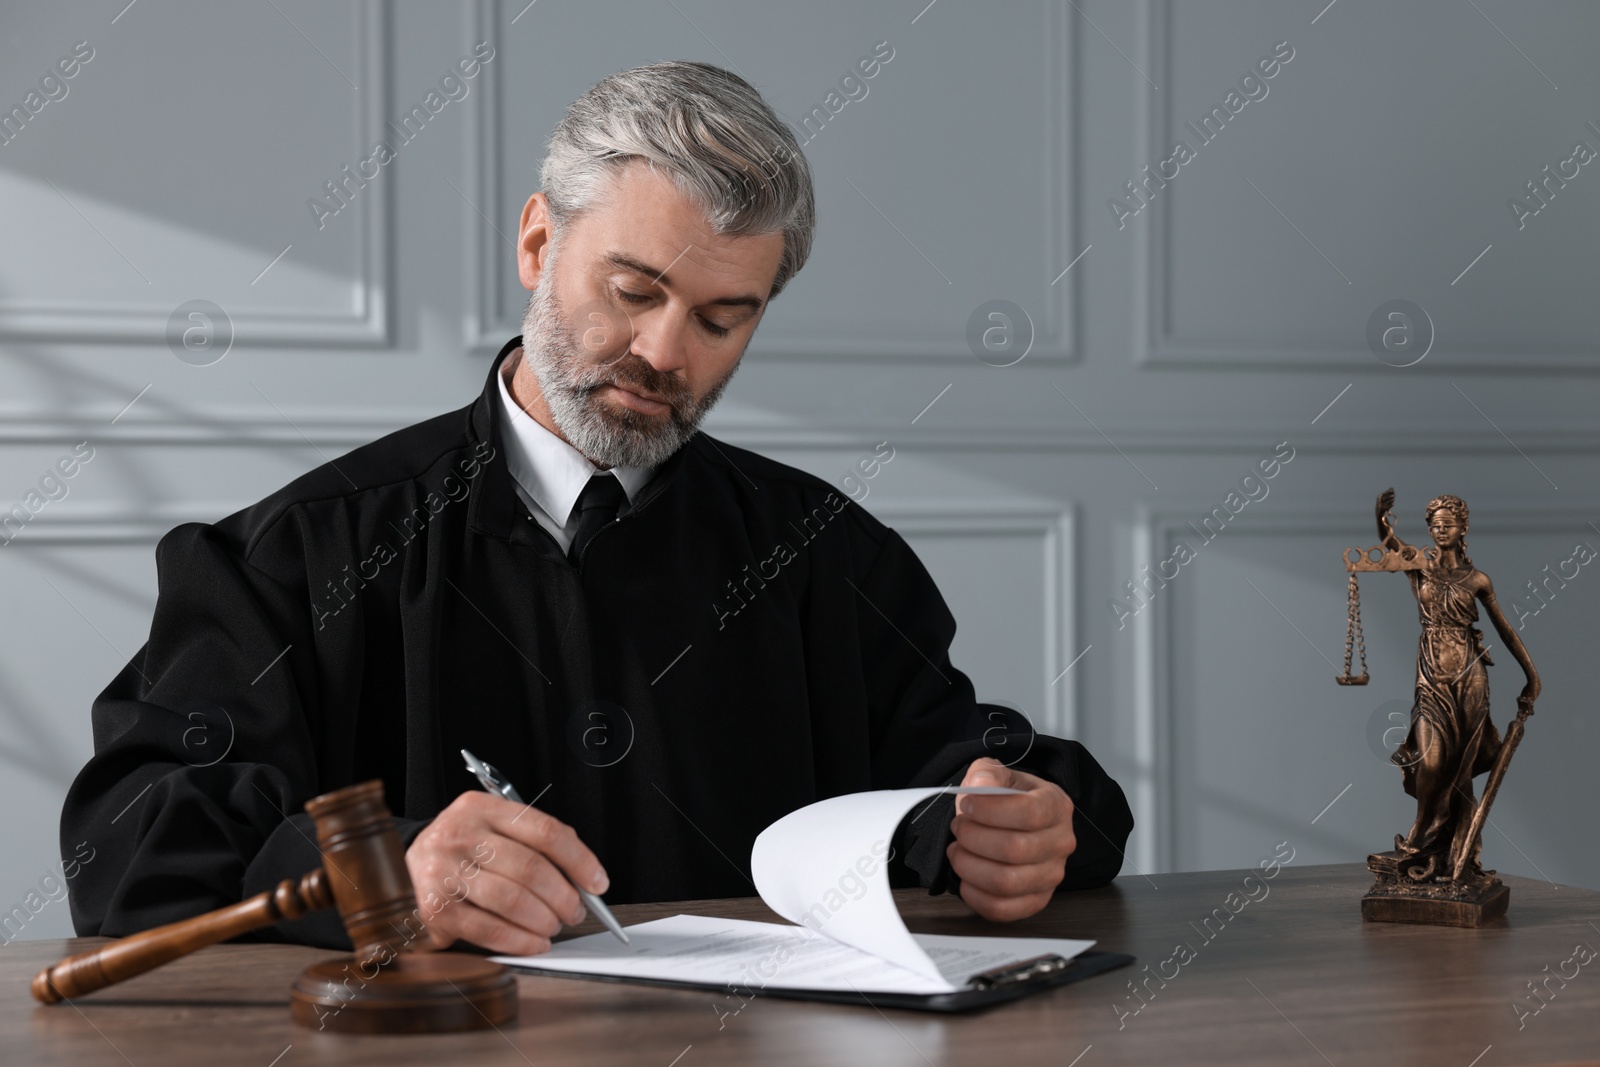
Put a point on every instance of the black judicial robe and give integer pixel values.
(743, 642)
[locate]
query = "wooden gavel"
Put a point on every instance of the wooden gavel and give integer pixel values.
(364, 875)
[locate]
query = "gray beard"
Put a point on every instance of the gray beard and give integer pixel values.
(608, 435)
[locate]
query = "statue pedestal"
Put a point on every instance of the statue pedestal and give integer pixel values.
(1396, 898)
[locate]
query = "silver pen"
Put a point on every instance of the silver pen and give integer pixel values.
(490, 779)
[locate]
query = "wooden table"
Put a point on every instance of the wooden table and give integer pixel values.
(1293, 978)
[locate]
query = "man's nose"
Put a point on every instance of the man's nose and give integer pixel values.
(660, 341)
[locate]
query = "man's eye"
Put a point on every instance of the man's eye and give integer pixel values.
(715, 330)
(632, 298)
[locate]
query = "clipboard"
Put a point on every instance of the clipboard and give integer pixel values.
(986, 990)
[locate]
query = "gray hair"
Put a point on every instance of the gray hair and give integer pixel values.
(709, 130)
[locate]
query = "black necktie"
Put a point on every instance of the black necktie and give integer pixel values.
(597, 506)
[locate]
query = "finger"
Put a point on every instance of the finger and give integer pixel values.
(515, 903)
(1002, 909)
(466, 921)
(532, 870)
(1014, 846)
(550, 836)
(1041, 806)
(987, 771)
(434, 939)
(1004, 879)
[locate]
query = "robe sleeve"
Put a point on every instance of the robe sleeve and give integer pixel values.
(203, 753)
(928, 728)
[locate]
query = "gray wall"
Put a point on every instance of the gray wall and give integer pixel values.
(1186, 342)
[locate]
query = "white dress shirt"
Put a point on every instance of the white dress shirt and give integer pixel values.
(550, 473)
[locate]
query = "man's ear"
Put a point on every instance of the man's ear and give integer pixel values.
(534, 241)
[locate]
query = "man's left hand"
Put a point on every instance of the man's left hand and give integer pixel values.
(1010, 851)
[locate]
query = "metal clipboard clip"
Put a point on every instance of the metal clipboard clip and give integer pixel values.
(1019, 973)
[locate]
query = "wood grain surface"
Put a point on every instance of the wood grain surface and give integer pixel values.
(1293, 977)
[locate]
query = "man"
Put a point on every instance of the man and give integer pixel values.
(666, 641)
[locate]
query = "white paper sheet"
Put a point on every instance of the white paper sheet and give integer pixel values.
(825, 868)
(736, 952)
(756, 955)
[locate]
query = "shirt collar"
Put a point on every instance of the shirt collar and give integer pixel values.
(548, 468)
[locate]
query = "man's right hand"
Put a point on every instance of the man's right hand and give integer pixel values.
(490, 871)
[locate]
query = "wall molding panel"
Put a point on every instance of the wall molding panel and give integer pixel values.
(368, 323)
(1160, 790)
(1055, 527)
(1154, 345)
(489, 323)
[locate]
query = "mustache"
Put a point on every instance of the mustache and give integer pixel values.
(635, 372)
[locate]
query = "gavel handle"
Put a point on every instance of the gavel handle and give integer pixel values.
(137, 953)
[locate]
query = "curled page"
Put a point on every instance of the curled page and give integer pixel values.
(825, 867)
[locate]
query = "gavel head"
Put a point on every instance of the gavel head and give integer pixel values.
(366, 869)
(364, 866)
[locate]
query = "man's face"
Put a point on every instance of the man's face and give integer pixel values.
(639, 318)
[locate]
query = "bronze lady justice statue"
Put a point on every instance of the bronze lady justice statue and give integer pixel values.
(1433, 875)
